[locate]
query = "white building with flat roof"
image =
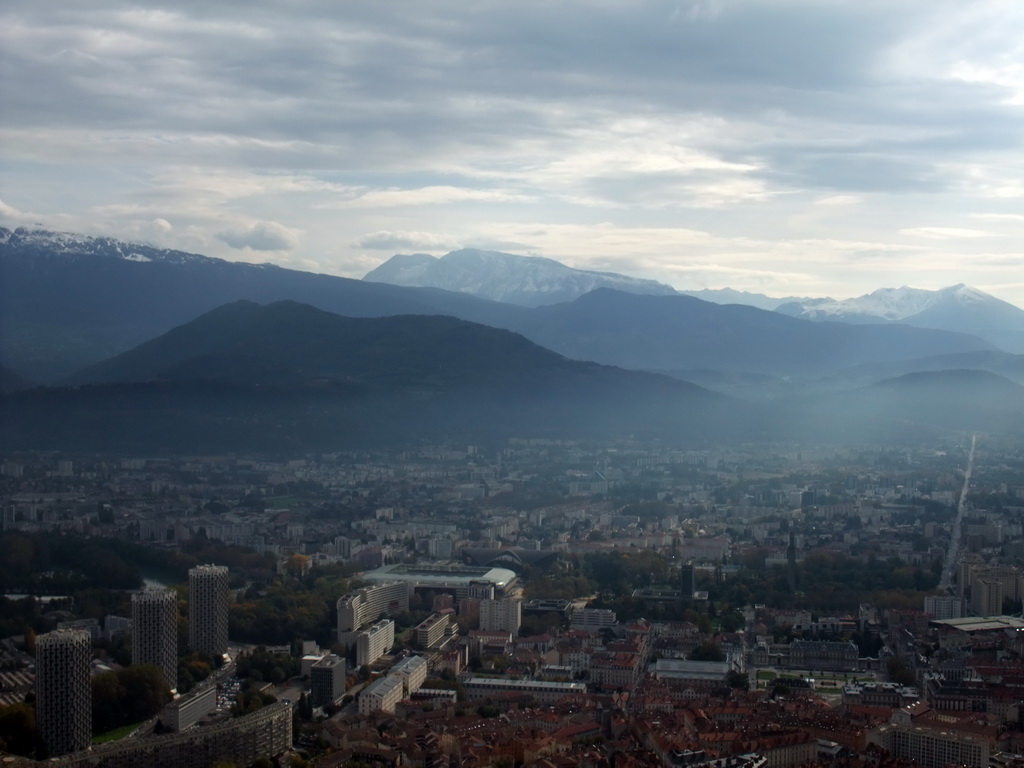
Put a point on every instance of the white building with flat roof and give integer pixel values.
(374, 642)
(932, 747)
(381, 695)
(945, 606)
(506, 614)
(593, 619)
(186, 711)
(412, 671)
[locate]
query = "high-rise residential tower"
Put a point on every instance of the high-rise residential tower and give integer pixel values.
(64, 690)
(506, 614)
(327, 680)
(208, 609)
(155, 631)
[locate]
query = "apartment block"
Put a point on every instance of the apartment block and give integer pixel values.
(64, 690)
(504, 614)
(155, 631)
(374, 642)
(369, 604)
(208, 609)
(327, 680)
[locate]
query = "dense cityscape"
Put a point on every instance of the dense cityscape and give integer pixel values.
(536, 603)
(511, 384)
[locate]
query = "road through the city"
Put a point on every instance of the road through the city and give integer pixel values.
(954, 539)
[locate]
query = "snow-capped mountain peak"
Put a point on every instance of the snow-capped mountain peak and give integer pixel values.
(72, 245)
(886, 304)
(525, 280)
(955, 308)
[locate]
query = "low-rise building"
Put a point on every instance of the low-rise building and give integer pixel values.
(412, 671)
(542, 691)
(824, 655)
(186, 711)
(381, 696)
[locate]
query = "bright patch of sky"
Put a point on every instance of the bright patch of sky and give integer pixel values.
(791, 147)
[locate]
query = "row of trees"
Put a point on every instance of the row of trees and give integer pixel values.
(288, 608)
(262, 665)
(127, 696)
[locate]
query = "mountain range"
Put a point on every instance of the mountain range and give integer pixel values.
(67, 300)
(958, 306)
(288, 375)
(531, 281)
(70, 301)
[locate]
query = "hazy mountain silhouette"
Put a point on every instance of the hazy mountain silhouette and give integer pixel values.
(1004, 364)
(67, 301)
(287, 375)
(289, 344)
(681, 332)
(11, 381)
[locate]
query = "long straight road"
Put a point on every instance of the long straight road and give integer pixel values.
(954, 538)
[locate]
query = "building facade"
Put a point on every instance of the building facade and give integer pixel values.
(593, 619)
(433, 630)
(381, 695)
(931, 747)
(543, 691)
(412, 671)
(239, 740)
(368, 604)
(155, 631)
(208, 609)
(188, 710)
(944, 606)
(327, 680)
(64, 690)
(504, 614)
(824, 655)
(374, 642)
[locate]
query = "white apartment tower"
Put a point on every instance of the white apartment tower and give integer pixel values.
(506, 615)
(155, 631)
(64, 690)
(208, 609)
(374, 642)
(944, 607)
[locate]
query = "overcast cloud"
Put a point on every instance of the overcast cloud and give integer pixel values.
(801, 147)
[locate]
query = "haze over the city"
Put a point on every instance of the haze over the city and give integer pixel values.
(798, 148)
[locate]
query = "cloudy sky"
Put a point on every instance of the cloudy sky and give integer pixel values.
(784, 147)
